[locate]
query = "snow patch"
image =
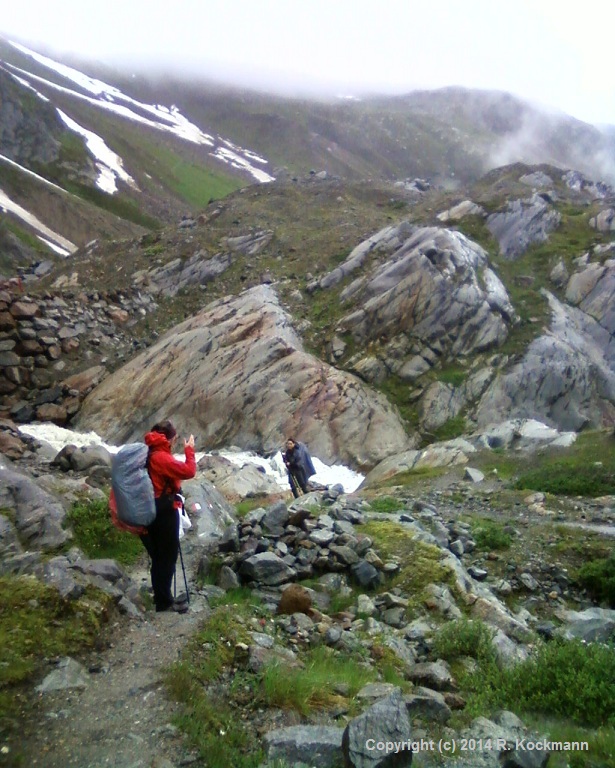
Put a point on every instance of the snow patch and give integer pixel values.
(58, 437)
(8, 205)
(110, 165)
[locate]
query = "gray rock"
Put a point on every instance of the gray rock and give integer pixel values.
(268, 569)
(474, 475)
(228, 579)
(366, 575)
(590, 625)
(246, 345)
(310, 744)
(427, 704)
(365, 738)
(275, 517)
(39, 516)
(433, 674)
(523, 223)
(68, 674)
(529, 582)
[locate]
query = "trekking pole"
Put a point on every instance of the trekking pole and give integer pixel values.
(297, 486)
(181, 560)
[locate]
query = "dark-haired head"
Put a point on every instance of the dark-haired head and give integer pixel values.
(165, 428)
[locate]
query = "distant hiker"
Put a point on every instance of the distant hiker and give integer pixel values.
(162, 538)
(299, 465)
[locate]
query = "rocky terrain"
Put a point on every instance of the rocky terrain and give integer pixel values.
(451, 341)
(327, 571)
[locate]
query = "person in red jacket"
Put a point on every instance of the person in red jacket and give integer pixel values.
(162, 539)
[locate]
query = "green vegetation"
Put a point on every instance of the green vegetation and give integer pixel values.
(452, 374)
(36, 623)
(191, 181)
(451, 429)
(420, 562)
(569, 679)
(398, 393)
(117, 204)
(316, 685)
(213, 683)
(412, 476)
(598, 578)
(386, 504)
(465, 638)
(587, 468)
(565, 689)
(245, 506)
(490, 535)
(96, 535)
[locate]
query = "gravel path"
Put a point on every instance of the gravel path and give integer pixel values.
(123, 718)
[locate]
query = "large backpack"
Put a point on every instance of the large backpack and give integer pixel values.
(132, 496)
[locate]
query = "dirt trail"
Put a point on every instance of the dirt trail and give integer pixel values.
(123, 718)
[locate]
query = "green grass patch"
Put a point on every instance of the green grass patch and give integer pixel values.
(587, 468)
(96, 535)
(387, 504)
(452, 374)
(451, 429)
(36, 623)
(601, 743)
(490, 535)
(412, 477)
(193, 182)
(420, 563)
(598, 578)
(213, 726)
(398, 393)
(245, 506)
(117, 204)
(317, 685)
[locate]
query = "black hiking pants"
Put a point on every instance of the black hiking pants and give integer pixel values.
(162, 544)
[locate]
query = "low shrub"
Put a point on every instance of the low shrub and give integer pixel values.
(95, 534)
(457, 639)
(490, 535)
(565, 678)
(598, 578)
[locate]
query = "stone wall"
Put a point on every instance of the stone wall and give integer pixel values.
(54, 349)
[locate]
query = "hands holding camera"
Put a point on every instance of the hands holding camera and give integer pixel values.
(189, 443)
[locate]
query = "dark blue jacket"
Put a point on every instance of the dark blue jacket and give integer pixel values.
(300, 457)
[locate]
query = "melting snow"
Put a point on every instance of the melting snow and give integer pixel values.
(61, 242)
(109, 164)
(166, 119)
(58, 437)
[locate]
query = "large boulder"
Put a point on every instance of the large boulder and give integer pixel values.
(237, 374)
(380, 736)
(436, 295)
(38, 516)
(523, 223)
(566, 379)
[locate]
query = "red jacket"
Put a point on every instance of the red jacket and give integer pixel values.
(166, 471)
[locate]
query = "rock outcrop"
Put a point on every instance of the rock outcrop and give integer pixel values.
(523, 223)
(237, 374)
(435, 296)
(565, 379)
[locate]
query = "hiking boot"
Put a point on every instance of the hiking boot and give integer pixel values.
(181, 598)
(176, 607)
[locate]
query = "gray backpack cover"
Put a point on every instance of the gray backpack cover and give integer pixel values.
(132, 486)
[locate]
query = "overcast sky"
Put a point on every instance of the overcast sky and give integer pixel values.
(553, 52)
